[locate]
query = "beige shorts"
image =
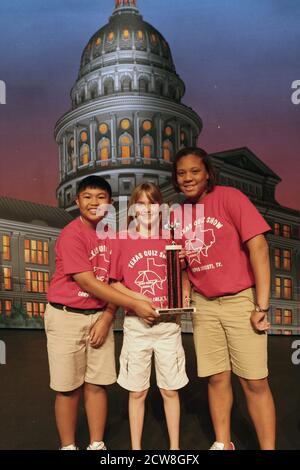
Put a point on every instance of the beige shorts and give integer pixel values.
(140, 343)
(224, 338)
(72, 360)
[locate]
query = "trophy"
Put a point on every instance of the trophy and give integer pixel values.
(174, 278)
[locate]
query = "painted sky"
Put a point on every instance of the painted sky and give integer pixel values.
(238, 59)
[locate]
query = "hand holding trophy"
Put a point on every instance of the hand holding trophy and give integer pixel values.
(174, 277)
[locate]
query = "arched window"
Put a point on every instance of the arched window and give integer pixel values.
(147, 148)
(71, 156)
(167, 150)
(109, 86)
(104, 150)
(82, 95)
(94, 91)
(125, 143)
(159, 87)
(84, 154)
(143, 85)
(126, 84)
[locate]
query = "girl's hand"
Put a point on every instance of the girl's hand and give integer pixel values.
(259, 321)
(182, 258)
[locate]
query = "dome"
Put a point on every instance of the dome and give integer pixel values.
(126, 38)
(127, 121)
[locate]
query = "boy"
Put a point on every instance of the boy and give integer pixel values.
(78, 319)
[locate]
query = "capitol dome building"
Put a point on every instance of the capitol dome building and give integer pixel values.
(127, 121)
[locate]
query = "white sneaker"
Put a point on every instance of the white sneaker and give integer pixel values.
(70, 447)
(220, 446)
(97, 446)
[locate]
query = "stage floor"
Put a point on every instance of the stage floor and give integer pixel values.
(27, 417)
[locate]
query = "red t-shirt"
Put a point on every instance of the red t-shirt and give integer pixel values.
(78, 249)
(218, 259)
(141, 266)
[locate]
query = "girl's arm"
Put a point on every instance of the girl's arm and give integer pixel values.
(135, 295)
(186, 289)
(260, 263)
(101, 290)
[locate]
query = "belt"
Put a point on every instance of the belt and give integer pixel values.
(84, 311)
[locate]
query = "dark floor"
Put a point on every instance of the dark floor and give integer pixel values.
(27, 419)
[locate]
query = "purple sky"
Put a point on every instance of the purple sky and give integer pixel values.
(237, 58)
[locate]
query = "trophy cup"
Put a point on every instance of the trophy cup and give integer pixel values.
(174, 278)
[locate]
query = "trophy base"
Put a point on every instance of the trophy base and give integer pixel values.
(175, 311)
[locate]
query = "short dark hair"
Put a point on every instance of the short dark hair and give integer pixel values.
(94, 181)
(206, 159)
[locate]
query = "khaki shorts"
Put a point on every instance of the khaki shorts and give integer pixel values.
(224, 338)
(140, 343)
(72, 360)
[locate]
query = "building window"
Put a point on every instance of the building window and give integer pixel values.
(168, 131)
(278, 287)
(143, 85)
(287, 288)
(71, 156)
(167, 150)
(286, 231)
(276, 229)
(153, 38)
(288, 317)
(37, 281)
(84, 136)
(147, 148)
(125, 143)
(147, 125)
(7, 278)
(5, 307)
(35, 309)
(278, 316)
(126, 84)
(287, 260)
(183, 137)
(98, 42)
(140, 35)
(84, 154)
(110, 37)
(277, 258)
(36, 252)
(6, 254)
(125, 34)
(104, 150)
(125, 124)
(103, 128)
(109, 86)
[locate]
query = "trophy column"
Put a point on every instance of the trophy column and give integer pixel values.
(174, 276)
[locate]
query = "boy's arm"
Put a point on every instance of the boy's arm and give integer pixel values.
(103, 291)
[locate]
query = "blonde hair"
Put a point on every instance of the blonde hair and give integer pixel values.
(152, 192)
